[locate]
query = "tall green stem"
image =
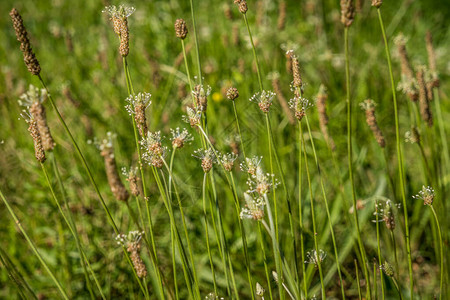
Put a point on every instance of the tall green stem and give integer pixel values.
(33, 247)
(378, 250)
(401, 171)
(441, 249)
(313, 216)
(350, 163)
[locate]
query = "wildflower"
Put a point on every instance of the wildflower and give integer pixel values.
(261, 182)
(201, 94)
(232, 93)
(297, 83)
(193, 117)
(386, 212)
(426, 194)
(254, 207)
(347, 12)
(264, 100)
(136, 106)
(299, 105)
(409, 87)
(315, 257)
(259, 290)
(181, 30)
(152, 143)
(33, 100)
(228, 161)
(388, 269)
(39, 152)
(207, 157)
(180, 138)
(377, 3)
(119, 17)
(425, 111)
(242, 5)
(115, 183)
(133, 243)
(251, 164)
(369, 106)
(412, 136)
(132, 180)
(25, 46)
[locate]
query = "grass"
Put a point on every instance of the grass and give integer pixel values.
(60, 218)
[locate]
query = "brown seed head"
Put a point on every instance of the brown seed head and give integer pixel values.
(133, 182)
(141, 120)
(139, 266)
(432, 59)
(377, 3)
(181, 30)
(34, 132)
(425, 110)
(37, 110)
(115, 183)
(369, 106)
(207, 164)
(347, 12)
(297, 82)
(22, 36)
(242, 5)
(232, 93)
(281, 15)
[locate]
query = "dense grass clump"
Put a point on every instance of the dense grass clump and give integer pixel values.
(224, 149)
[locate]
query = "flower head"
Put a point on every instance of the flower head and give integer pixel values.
(33, 95)
(261, 182)
(228, 161)
(118, 14)
(201, 94)
(299, 105)
(180, 138)
(251, 164)
(426, 194)
(133, 237)
(254, 207)
(207, 157)
(264, 100)
(152, 143)
(315, 257)
(139, 100)
(193, 117)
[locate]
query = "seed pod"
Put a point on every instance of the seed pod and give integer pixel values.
(347, 12)
(181, 30)
(115, 184)
(34, 132)
(133, 183)
(124, 47)
(141, 120)
(425, 110)
(22, 36)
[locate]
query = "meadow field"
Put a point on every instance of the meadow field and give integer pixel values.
(233, 149)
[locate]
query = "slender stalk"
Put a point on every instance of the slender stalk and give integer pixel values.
(316, 243)
(266, 268)
(239, 131)
(357, 279)
(196, 43)
(144, 189)
(33, 247)
(399, 154)
(243, 236)
(206, 233)
(254, 53)
(441, 249)
(72, 229)
(379, 252)
(442, 133)
(330, 222)
(183, 219)
(350, 162)
(88, 171)
(394, 245)
(300, 207)
(375, 288)
(276, 253)
(175, 281)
